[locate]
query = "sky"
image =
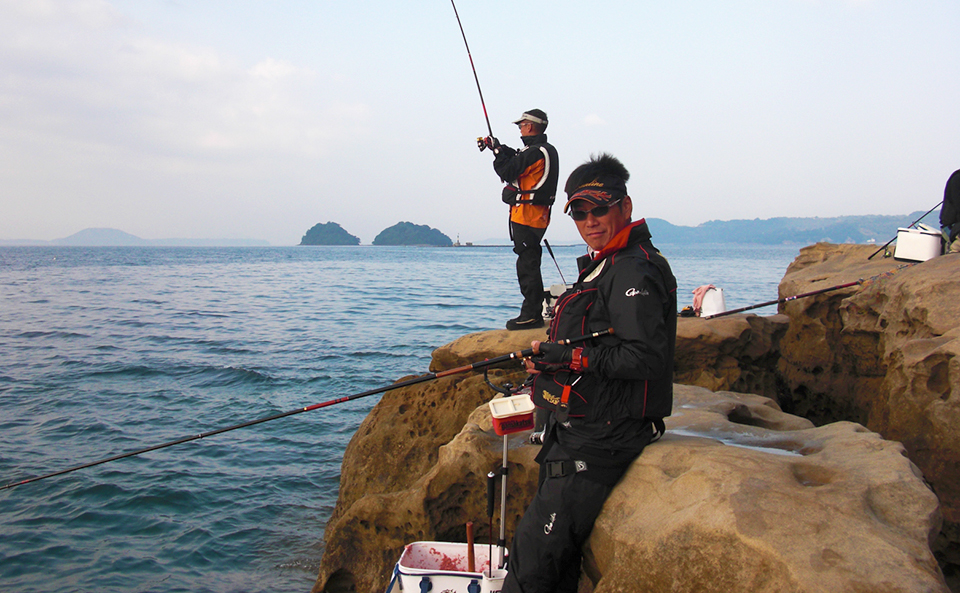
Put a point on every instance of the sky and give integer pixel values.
(258, 119)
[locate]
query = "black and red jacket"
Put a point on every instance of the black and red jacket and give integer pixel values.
(627, 379)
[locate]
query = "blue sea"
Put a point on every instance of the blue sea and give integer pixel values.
(108, 350)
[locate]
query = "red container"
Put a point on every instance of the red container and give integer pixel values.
(512, 414)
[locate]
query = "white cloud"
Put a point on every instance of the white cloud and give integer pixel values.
(94, 78)
(594, 120)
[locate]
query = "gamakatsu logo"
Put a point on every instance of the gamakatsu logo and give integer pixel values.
(549, 526)
(634, 292)
(550, 399)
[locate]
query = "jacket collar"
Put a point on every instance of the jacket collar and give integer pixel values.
(531, 140)
(629, 235)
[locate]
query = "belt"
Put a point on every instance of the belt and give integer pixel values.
(565, 467)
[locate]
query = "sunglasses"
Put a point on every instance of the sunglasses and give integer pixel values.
(598, 212)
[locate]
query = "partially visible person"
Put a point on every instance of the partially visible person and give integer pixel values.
(607, 399)
(950, 213)
(531, 175)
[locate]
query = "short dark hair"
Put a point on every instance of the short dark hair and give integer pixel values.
(602, 171)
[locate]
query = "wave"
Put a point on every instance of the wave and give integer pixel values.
(65, 335)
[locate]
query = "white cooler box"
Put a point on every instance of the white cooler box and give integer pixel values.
(917, 245)
(442, 566)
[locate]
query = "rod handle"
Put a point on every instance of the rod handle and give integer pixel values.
(471, 559)
(491, 493)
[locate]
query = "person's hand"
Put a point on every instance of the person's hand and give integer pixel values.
(548, 356)
(491, 143)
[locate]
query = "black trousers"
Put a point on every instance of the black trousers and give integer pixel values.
(546, 552)
(526, 244)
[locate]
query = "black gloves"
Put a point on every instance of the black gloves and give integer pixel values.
(554, 357)
(488, 142)
(552, 353)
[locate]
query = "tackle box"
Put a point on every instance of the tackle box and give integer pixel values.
(512, 414)
(917, 245)
(442, 566)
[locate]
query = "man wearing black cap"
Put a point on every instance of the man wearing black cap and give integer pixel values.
(531, 176)
(950, 213)
(607, 398)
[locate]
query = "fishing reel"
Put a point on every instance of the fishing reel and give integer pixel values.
(487, 142)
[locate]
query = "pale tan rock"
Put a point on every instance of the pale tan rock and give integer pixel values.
(772, 505)
(483, 345)
(730, 353)
(884, 354)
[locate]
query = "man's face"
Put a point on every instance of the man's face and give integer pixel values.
(597, 231)
(527, 128)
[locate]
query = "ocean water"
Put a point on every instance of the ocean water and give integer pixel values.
(109, 350)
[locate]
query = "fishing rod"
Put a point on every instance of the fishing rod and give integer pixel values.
(484, 105)
(806, 294)
(422, 379)
(911, 224)
(547, 243)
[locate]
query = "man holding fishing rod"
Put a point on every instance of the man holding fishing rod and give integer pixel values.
(606, 396)
(531, 175)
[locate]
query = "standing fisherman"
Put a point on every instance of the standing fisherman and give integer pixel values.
(531, 176)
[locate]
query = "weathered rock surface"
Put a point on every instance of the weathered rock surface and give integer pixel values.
(733, 353)
(884, 354)
(738, 497)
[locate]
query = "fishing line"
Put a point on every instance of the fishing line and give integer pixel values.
(550, 251)
(422, 379)
(464, 35)
(807, 294)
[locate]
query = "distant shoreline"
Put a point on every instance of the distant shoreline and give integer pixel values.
(861, 229)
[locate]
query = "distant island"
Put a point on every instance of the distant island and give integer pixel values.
(103, 237)
(407, 233)
(329, 233)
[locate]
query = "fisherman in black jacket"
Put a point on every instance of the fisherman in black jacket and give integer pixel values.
(950, 213)
(606, 399)
(531, 176)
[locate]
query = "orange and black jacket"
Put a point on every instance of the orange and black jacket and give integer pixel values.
(531, 173)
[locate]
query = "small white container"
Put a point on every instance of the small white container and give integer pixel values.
(444, 566)
(512, 414)
(917, 245)
(713, 302)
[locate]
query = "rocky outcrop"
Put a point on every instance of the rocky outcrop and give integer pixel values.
(732, 353)
(884, 354)
(738, 496)
(397, 446)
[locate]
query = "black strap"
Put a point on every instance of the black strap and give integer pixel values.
(565, 467)
(659, 429)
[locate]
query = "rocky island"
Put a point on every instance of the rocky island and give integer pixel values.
(407, 233)
(329, 233)
(812, 450)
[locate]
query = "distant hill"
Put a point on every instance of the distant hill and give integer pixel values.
(775, 231)
(101, 238)
(96, 237)
(329, 233)
(407, 233)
